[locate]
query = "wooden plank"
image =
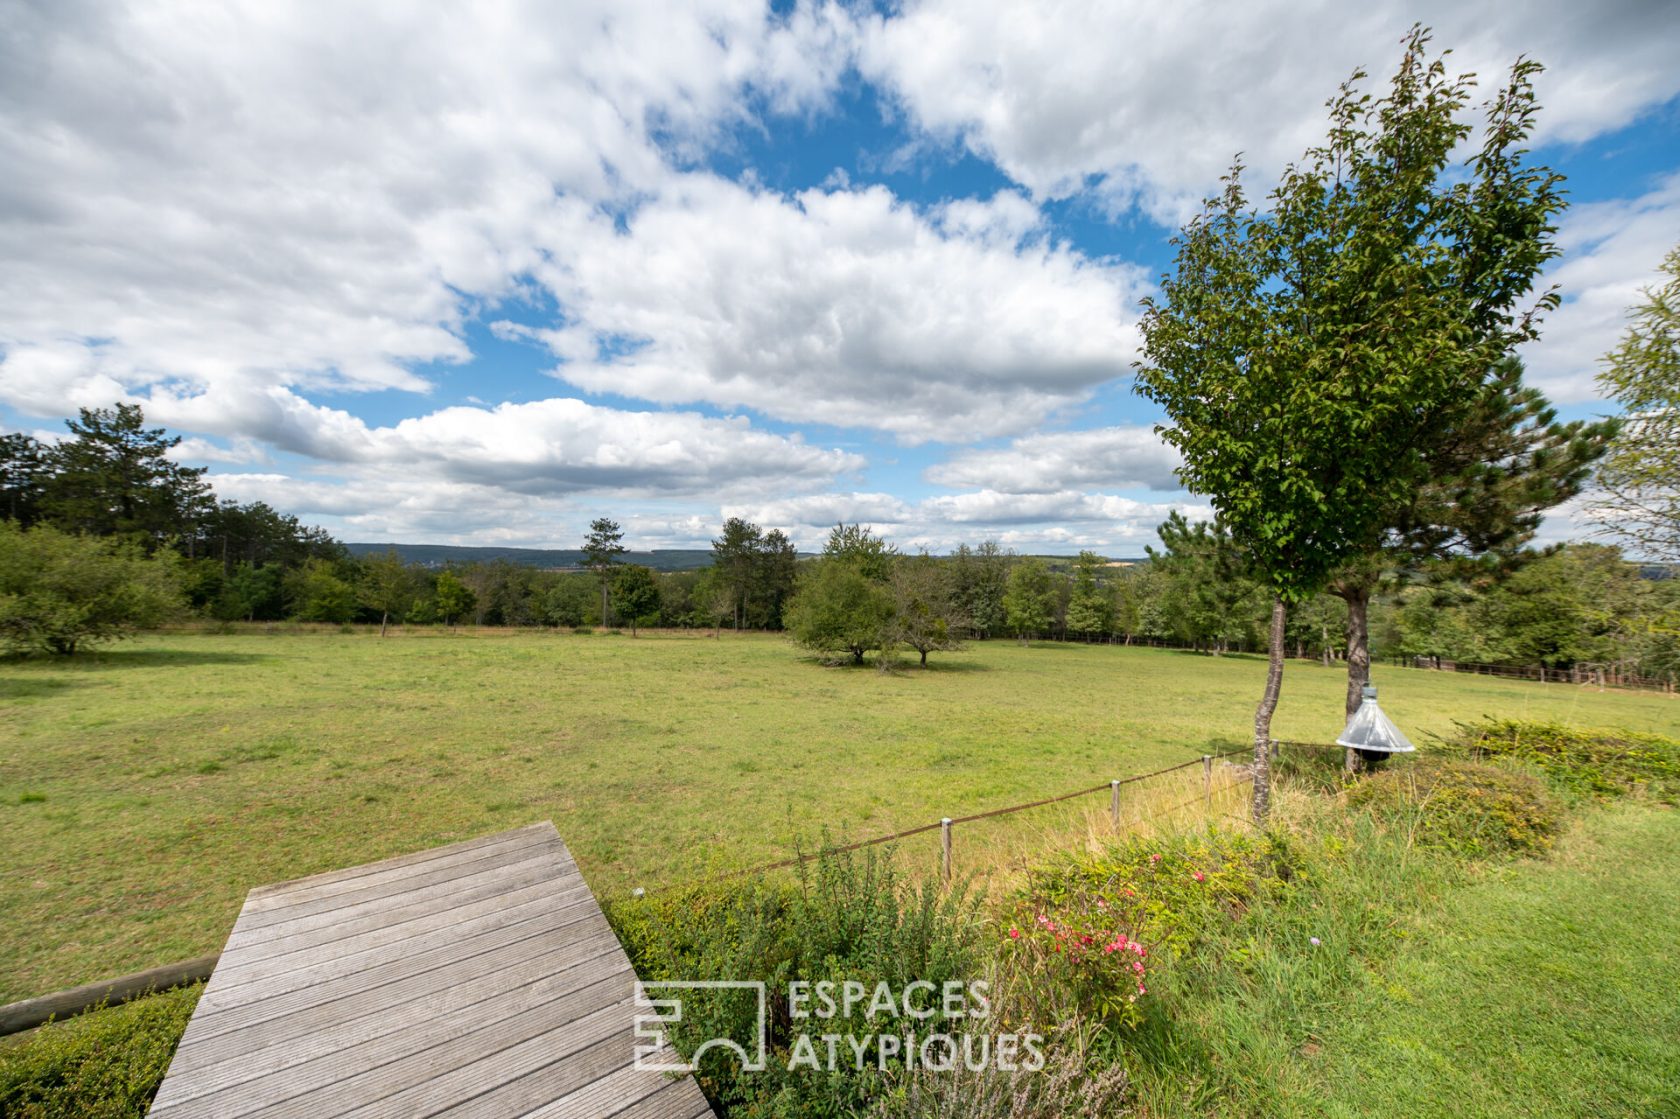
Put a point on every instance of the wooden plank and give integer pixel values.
(308, 929)
(364, 891)
(381, 941)
(415, 1004)
(348, 975)
(480, 978)
(29, 1013)
(536, 832)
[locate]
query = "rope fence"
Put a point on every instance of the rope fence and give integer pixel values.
(946, 825)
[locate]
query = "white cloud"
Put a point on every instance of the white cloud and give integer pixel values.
(843, 307)
(1612, 250)
(1150, 102)
(1124, 457)
(319, 194)
(546, 447)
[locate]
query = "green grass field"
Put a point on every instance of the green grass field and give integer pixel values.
(1551, 990)
(144, 789)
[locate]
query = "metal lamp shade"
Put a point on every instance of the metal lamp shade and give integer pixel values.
(1371, 732)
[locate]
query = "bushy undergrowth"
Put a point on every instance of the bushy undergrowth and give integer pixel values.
(1089, 930)
(844, 919)
(106, 1064)
(1468, 807)
(1585, 762)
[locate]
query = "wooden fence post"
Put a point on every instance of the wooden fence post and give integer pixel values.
(1114, 803)
(945, 847)
(1207, 778)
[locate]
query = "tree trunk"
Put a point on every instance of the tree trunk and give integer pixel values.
(1358, 598)
(384, 618)
(924, 657)
(1263, 717)
(603, 602)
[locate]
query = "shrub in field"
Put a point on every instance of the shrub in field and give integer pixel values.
(105, 1064)
(844, 919)
(1467, 807)
(1587, 762)
(60, 592)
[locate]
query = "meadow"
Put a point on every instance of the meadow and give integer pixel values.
(145, 788)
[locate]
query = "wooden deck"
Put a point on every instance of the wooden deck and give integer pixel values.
(479, 979)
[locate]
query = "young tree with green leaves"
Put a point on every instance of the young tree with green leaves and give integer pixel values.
(635, 594)
(981, 577)
(925, 613)
(386, 587)
(1641, 474)
(838, 608)
(1030, 600)
(318, 593)
(453, 597)
(1211, 597)
(61, 591)
(860, 547)
(1090, 607)
(600, 554)
(1305, 353)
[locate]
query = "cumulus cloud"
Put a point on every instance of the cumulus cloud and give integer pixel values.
(1612, 250)
(1148, 103)
(839, 306)
(1123, 457)
(320, 194)
(546, 447)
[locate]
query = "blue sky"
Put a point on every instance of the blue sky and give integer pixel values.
(444, 275)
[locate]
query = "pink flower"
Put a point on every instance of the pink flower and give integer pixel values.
(1137, 966)
(1154, 858)
(1142, 990)
(1199, 876)
(1014, 934)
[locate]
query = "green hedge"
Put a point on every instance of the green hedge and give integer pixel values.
(104, 1064)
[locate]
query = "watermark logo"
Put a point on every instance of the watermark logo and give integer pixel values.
(826, 1018)
(653, 1048)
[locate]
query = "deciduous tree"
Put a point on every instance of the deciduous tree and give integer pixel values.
(61, 591)
(635, 594)
(1305, 353)
(1641, 474)
(1030, 601)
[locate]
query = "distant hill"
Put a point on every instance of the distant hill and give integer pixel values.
(441, 555)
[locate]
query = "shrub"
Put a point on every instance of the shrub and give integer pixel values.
(1598, 763)
(843, 918)
(1089, 929)
(105, 1064)
(59, 592)
(1467, 807)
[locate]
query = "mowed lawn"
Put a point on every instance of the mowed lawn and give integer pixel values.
(145, 789)
(1554, 990)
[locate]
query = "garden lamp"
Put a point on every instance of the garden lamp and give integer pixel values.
(1371, 732)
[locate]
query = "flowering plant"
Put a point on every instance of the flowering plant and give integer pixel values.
(1084, 955)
